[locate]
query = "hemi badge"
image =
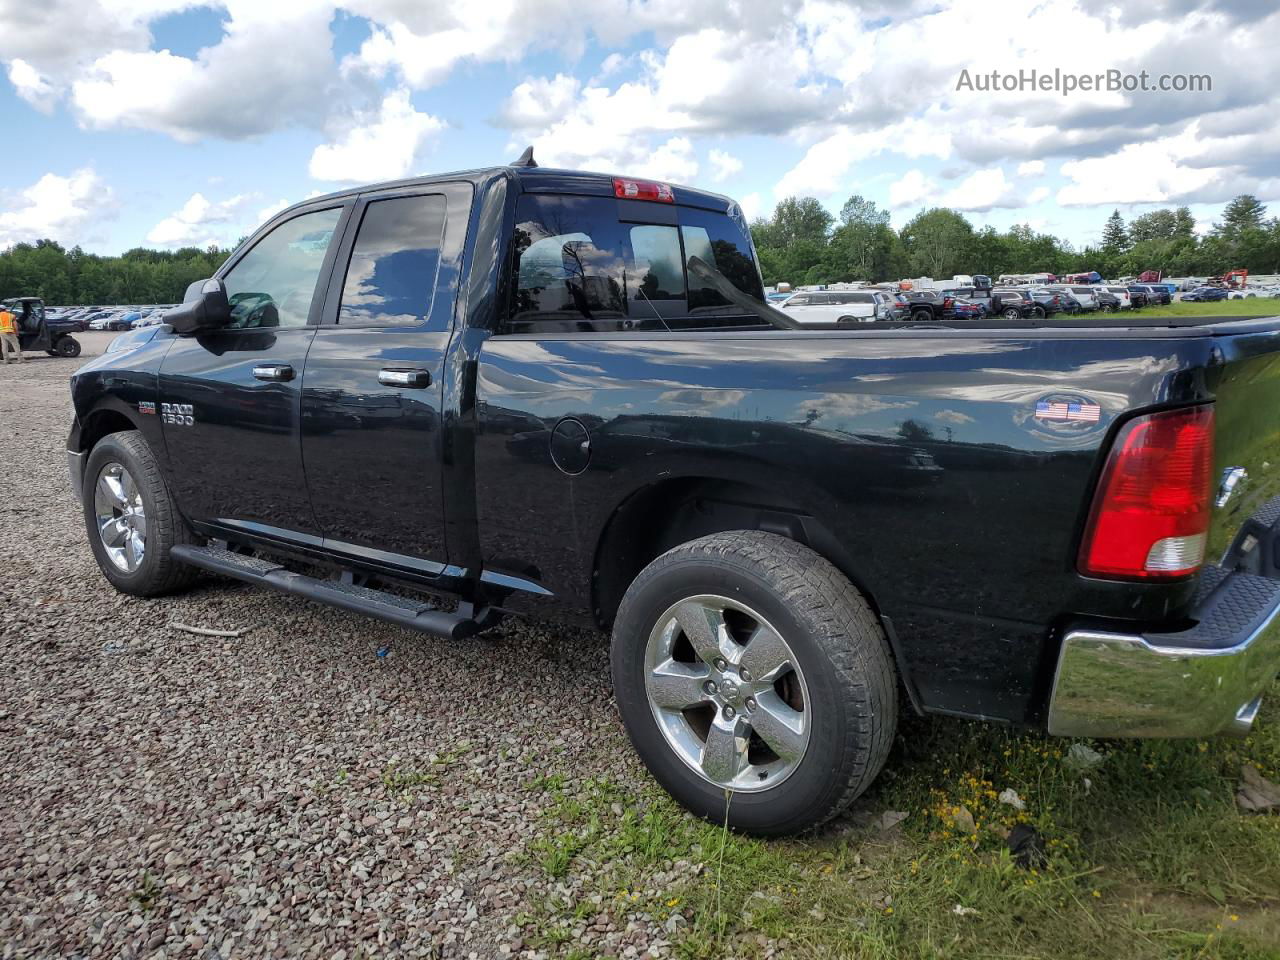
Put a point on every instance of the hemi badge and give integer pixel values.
(146, 406)
(1068, 412)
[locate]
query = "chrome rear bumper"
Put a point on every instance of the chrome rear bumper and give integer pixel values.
(1194, 683)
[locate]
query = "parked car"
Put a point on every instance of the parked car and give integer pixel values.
(1205, 295)
(124, 321)
(1250, 293)
(825, 307)
(1015, 305)
(1138, 296)
(680, 464)
(1120, 293)
(966, 309)
(1156, 293)
(1082, 293)
(1107, 302)
(1053, 301)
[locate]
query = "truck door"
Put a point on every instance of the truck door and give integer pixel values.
(229, 399)
(371, 394)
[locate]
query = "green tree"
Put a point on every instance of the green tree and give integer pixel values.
(1244, 213)
(1115, 239)
(939, 243)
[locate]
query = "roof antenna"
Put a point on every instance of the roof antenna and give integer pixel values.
(526, 159)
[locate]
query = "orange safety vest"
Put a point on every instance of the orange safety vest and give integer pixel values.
(7, 324)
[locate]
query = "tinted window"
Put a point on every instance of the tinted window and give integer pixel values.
(272, 285)
(392, 274)
(578, 267)
(724, 242)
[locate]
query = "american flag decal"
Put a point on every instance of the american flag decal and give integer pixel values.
(1063, 412)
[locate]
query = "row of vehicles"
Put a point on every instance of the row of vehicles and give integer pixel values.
(1023, 302)
(112, 318)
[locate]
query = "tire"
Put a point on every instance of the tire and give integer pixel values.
(66, 347)
(921, 316)
(1038, 313)
(127, 463)
(839, 672)
(1012, 314)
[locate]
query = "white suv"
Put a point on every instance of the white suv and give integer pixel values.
(1082, 293)
(826, 307)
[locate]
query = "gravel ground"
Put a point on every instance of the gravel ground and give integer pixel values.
(285, 792)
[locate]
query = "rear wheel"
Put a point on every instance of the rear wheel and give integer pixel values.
(1038, 313)
(131, 519)
(1012, 313)
(754, 681)
(921, 316)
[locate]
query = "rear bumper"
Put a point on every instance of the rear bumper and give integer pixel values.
(1198, 682)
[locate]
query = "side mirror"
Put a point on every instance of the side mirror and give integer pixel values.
(207, 310)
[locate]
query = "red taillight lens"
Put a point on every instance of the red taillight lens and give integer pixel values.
(642, 190)
(1150, 515)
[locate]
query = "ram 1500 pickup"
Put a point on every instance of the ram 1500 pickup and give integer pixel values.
(562, 394)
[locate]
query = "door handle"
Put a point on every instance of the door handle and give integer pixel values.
(277, 372)
(412, 378)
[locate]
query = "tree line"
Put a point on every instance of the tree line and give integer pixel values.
(802, 243)
(61, 277)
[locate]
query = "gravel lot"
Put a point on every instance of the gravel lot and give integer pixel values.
(286, 792)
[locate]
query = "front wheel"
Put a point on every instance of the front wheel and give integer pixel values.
(66, 347)
(922, 316)
(131, 518)
(754, 681)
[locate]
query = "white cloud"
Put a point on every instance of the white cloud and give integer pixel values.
(1149, 171)
(381, 147)
(200, 223)
(752, 206)
(269, 211)
(982, 190)
(31, 86)
(1031, 168)
(673, 160)
(66, 209)
(241, 87)
(1036, 195)
(723, 165)
(911, 190)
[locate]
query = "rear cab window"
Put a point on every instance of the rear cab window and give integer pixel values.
(596, 264)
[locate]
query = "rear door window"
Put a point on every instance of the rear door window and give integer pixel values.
(578, 267)
(391, 278)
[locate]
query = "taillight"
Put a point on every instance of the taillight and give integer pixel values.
(1150, 516)
(642, 190)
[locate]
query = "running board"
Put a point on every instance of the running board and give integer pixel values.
(407, 612)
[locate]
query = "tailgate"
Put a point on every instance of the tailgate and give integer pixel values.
(1246, 386)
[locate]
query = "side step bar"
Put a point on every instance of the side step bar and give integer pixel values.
(414, 614)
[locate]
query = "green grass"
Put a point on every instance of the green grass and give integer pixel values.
(1149, 859)
(1257, 307)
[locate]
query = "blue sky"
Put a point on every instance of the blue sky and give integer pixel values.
(163, 123)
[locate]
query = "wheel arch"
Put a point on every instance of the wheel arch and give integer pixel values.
(98, 423)
(676, 509)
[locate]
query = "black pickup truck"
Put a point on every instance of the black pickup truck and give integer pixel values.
(534, 391)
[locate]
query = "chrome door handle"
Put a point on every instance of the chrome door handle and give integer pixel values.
(411, 378)
(276, 372)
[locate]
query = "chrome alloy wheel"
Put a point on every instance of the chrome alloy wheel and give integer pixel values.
(122, 521)
(727, 693)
